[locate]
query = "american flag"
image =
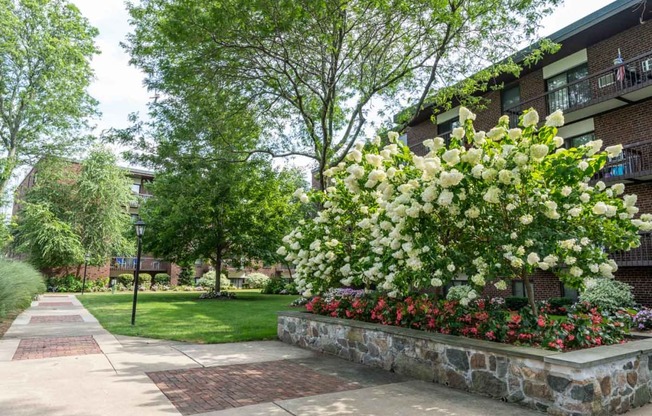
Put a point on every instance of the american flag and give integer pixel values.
(620, 72)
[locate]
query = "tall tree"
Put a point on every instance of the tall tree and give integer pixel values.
(313, 71)
(220, 212)
(75, 209)
(45, 52)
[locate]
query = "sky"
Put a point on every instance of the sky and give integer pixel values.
(119, 87)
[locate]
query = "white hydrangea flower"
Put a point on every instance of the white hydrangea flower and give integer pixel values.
(538, 151)
(630, 200)
(445, 198)
(282, 251)
(594, 147)
(555, 119)
(533, 259)
(575, 271)
(466, 114)
(496, 133)
(618, 188)
(614, 151)
(566, 190)
(558, 141)
(304, 199)
(514, 134)
(531, 118)
(458, 133)
(436, 282)
(492, 195)
(374, 160)
(600, 208)
(501, 285)
(452, 157)
(526, 219)
(392, 136)
(472, 212)
(376, 141)
(479, 138)
(452, 178)
(583, 165)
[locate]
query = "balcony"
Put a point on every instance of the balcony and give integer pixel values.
(141, 197)
(596, 93)
(147, 264)
(634, 165)
(640, 256)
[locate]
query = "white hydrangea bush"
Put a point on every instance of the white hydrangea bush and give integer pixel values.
(488, 207)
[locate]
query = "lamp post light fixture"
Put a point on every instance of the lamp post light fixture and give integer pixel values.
(140, 230)
(86, 258)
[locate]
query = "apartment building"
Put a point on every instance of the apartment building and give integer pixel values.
(602, 79)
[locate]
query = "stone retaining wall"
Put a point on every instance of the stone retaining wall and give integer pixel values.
(598, 381)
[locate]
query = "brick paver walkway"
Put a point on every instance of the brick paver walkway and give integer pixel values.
(200, 390)
(33, 348)
(53, 304)
(55, 319)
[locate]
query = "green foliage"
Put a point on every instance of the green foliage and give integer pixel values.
(280, 286)
(208, 281)
(316, 66)
(162, 279)
(70, 212)
(256, 280)
(19, 283)
(48, 241)
(45, 51)
(461, 293)
(516, 303)
(607, 294)
(145, 280)
(126, 279)
(186, 276)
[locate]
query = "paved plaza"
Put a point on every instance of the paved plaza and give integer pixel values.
(57, 360)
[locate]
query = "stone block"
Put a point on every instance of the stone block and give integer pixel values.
(532, 374)
(478, 361)
(605, 386)
(558, 384)
(455, 380)
(584, 393)
(413, 367)
(458, 359)
(537, 390)
(632, 378)
(291, 326)
(355, 335)
(485, 383)
(641, 396)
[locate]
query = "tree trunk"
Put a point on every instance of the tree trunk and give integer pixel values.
(78, 271)
(529, 291)
(218, 271)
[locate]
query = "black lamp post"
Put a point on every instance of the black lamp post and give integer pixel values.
(86, 258)
(140, 230)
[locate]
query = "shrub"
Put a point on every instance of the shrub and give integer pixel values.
(186, 276)
(19, 283)
(607, 294)
(557, 306)
(145, 280)
(161, 279)
(515, 303)
(208, 281)
(643, 319)
(126, 279)
(68, 283)
(461, 293)
(256, 280)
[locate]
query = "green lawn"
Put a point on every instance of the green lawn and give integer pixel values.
(182, 316)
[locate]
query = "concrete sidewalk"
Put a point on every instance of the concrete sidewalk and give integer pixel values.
(56, 359)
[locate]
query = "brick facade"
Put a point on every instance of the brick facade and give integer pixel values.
(624, 121)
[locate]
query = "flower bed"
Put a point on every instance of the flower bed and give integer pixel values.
(604, 380)
(583, 326)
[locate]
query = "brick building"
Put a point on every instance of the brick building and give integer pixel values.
(602, 98)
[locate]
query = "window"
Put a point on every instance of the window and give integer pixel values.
(563, 97)
(578, 141)
(510, 98)
(444, 129)
(606, 80)
(518, 288)
(135, 188)
(569, 292)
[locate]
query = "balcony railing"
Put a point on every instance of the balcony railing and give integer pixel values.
(640, 256)
(609, 83)
(136, 203)
(635, 163)
(146, 264)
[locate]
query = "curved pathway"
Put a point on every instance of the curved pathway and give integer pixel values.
(56, 359)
